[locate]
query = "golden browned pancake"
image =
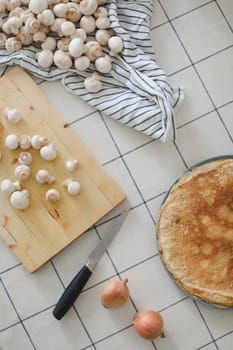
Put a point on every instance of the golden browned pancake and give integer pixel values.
(195, 232)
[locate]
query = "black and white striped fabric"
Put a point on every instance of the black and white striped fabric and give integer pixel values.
(136, 92)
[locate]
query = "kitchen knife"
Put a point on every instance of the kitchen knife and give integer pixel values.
(76, 285)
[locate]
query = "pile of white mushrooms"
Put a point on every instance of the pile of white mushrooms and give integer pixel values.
(69, 34)
(19, 197)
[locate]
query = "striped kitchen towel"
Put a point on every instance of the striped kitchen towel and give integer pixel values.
(137, 92)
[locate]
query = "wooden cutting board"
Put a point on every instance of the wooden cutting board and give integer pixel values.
(39, 232)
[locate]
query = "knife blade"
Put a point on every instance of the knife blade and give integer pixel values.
(78, 282)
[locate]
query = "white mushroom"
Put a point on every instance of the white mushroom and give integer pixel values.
(25, 15)
(93, 83)
(8, 186)
(25, 141)
(37, 6)
(101, 12)
(73, 14)
(79, 33)
(16, 12)
(49, 44)
(45, 29)
(76, 47)
(12, 45)
(25, 158)
(60, 10)
(25, 37)
(11, 4)
(43, 177)
(14, 23)
(115, 44)
(67, 28)
(22, 172)
(39, 37)
(62, 60)
(48, 152)
(13, 115)
(103, 35)
(102, 22)
(74, 5)
(56, 26)
(81, 63)
(72, 187)
(45, 58)
(88, 7)
(46, 17)
(38, 141)
(104, 64)
(63, 43)
(32, 25)
(6, 28)
(52, 195)
(12, 141)
(71, 164)
(93, 50)
(20, 199)
(88, 24)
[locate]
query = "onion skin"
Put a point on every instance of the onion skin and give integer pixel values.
(114, 293)
(148, 324)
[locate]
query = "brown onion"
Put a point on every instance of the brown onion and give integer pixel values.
(115, 293)
(148, 324)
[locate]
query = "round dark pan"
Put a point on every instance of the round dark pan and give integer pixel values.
(190, 169)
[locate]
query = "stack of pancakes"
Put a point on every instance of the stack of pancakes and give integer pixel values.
(195, 232)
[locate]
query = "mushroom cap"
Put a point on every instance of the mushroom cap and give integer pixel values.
(73, 188)
(12, 141)
(88, 7)
(103, 64)
(13, 115)
(52, 195)
(7, 187)
(62, 59)
(48, 152)
(38, 6)
(25, 158)
(20, 199)
(76, 47)
(82, 63)
(115, 44)
(22, 172)
(45, 58)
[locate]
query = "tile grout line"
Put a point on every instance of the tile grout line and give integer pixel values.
(182, 14)
(206, 324)
(202, 82)
(74, 308)
(187, 12)
(199, 76)
(204, 346)
(122, 155)
(16, 311)
(223, 14)
(129, 172)
(153, 140)
(126, 166)
(9, 269)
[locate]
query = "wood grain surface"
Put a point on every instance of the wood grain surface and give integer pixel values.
(39, 232)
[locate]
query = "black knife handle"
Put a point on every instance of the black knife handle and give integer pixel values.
(71, 292)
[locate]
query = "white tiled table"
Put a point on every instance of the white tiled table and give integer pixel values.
(193, 40)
